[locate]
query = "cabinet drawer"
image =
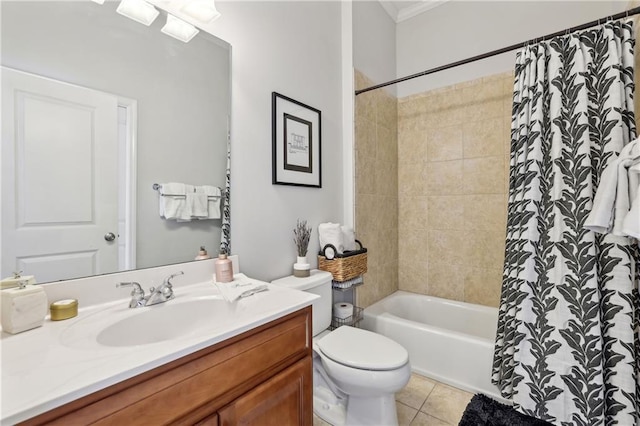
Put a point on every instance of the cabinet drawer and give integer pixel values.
(190, 388)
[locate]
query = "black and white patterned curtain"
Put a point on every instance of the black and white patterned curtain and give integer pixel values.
(567, 349)
(225, 235)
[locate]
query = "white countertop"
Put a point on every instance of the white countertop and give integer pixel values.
(52, 365)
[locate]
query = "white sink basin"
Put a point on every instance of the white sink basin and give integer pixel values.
(164, 321)
(120, 326)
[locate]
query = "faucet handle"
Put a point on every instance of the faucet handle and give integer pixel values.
(137, 294)
(137, 289)
(168, 279)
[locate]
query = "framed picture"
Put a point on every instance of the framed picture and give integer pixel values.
(296, 143)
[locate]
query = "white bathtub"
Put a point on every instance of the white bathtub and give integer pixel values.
(451, 342)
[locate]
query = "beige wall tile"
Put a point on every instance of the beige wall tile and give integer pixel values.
(413, 246)
(365, 179)
(478, 111)
(483, 285)
(446, 212)
(411, 180)
(484, 175)
(446, 281)
(445, 143)
(365, 138)
(484, 249)
(485, 212)
(412, 276)
(387, 145)
(445, 247)
(483, 138)
(413, 212)
(444, 177)
(412, 142)
(385, 175)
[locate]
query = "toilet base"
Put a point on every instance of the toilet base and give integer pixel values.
(328, 408)
(379, 410)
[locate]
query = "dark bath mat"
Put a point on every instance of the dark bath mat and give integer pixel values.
(484, 411)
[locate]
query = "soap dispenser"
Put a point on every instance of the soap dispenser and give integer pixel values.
(224, 268)
(202, 254)
(23, 308)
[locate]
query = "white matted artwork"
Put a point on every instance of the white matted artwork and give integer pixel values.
(296, 143)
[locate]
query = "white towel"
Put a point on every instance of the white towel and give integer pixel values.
(240, 287)
(214, 195)
(198, 201)
(172, 200)
(631, 222)
(331, 233)
(611, 203)
(348, 238)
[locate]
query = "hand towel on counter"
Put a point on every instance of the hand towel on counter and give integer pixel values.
(172, 200)
(239, 287)
(611, 203)
(214, 195)
(331, 233)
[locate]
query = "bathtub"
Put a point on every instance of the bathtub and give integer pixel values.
(448, 341)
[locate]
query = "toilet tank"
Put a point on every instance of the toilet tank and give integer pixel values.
(319, 282)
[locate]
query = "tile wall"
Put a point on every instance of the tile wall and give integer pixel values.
(376, 189)
(453, 160)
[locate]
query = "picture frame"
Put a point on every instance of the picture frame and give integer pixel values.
(296, 143)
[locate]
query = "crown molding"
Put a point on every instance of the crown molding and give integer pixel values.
(410, 11)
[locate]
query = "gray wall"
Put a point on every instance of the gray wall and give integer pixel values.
(460, 29)
(293, 48)
(374, 42)
(183, 93)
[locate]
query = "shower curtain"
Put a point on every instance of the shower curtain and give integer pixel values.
(567, 348)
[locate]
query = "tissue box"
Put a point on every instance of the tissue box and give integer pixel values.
(15, 281)
(22, 308)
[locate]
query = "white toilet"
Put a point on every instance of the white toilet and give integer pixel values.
(355, 372)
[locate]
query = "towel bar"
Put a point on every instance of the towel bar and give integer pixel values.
(158, 187)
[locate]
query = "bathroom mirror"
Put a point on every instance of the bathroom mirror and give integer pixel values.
(101, 104)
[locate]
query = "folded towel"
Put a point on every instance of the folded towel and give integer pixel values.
(238, 288)
(214, 195)
(612, 200)
(198, 201)
(331, 233)
(172, 200)
(348, 238)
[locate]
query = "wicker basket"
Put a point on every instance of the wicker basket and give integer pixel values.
(343, 266)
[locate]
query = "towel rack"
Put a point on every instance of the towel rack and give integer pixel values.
(158, 187)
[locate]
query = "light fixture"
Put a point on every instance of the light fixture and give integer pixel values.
(98, 1)
(202, 10)
(138, 10)
(179, 29)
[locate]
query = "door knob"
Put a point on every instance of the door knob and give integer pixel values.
(109, 236)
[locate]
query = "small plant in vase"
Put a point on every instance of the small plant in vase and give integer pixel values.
(301, 237)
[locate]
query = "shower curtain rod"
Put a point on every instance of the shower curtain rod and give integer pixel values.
(627, 13)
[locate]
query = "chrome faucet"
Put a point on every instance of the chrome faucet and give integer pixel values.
(161, 294)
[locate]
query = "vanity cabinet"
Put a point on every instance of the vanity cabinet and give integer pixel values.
(260, 377)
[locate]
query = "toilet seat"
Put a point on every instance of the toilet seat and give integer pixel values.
(362, 349)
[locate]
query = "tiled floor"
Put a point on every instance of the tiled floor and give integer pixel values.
(425, 402)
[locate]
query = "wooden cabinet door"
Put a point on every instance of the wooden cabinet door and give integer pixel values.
(285, 399)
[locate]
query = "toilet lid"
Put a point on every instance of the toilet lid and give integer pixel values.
(362, 349)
